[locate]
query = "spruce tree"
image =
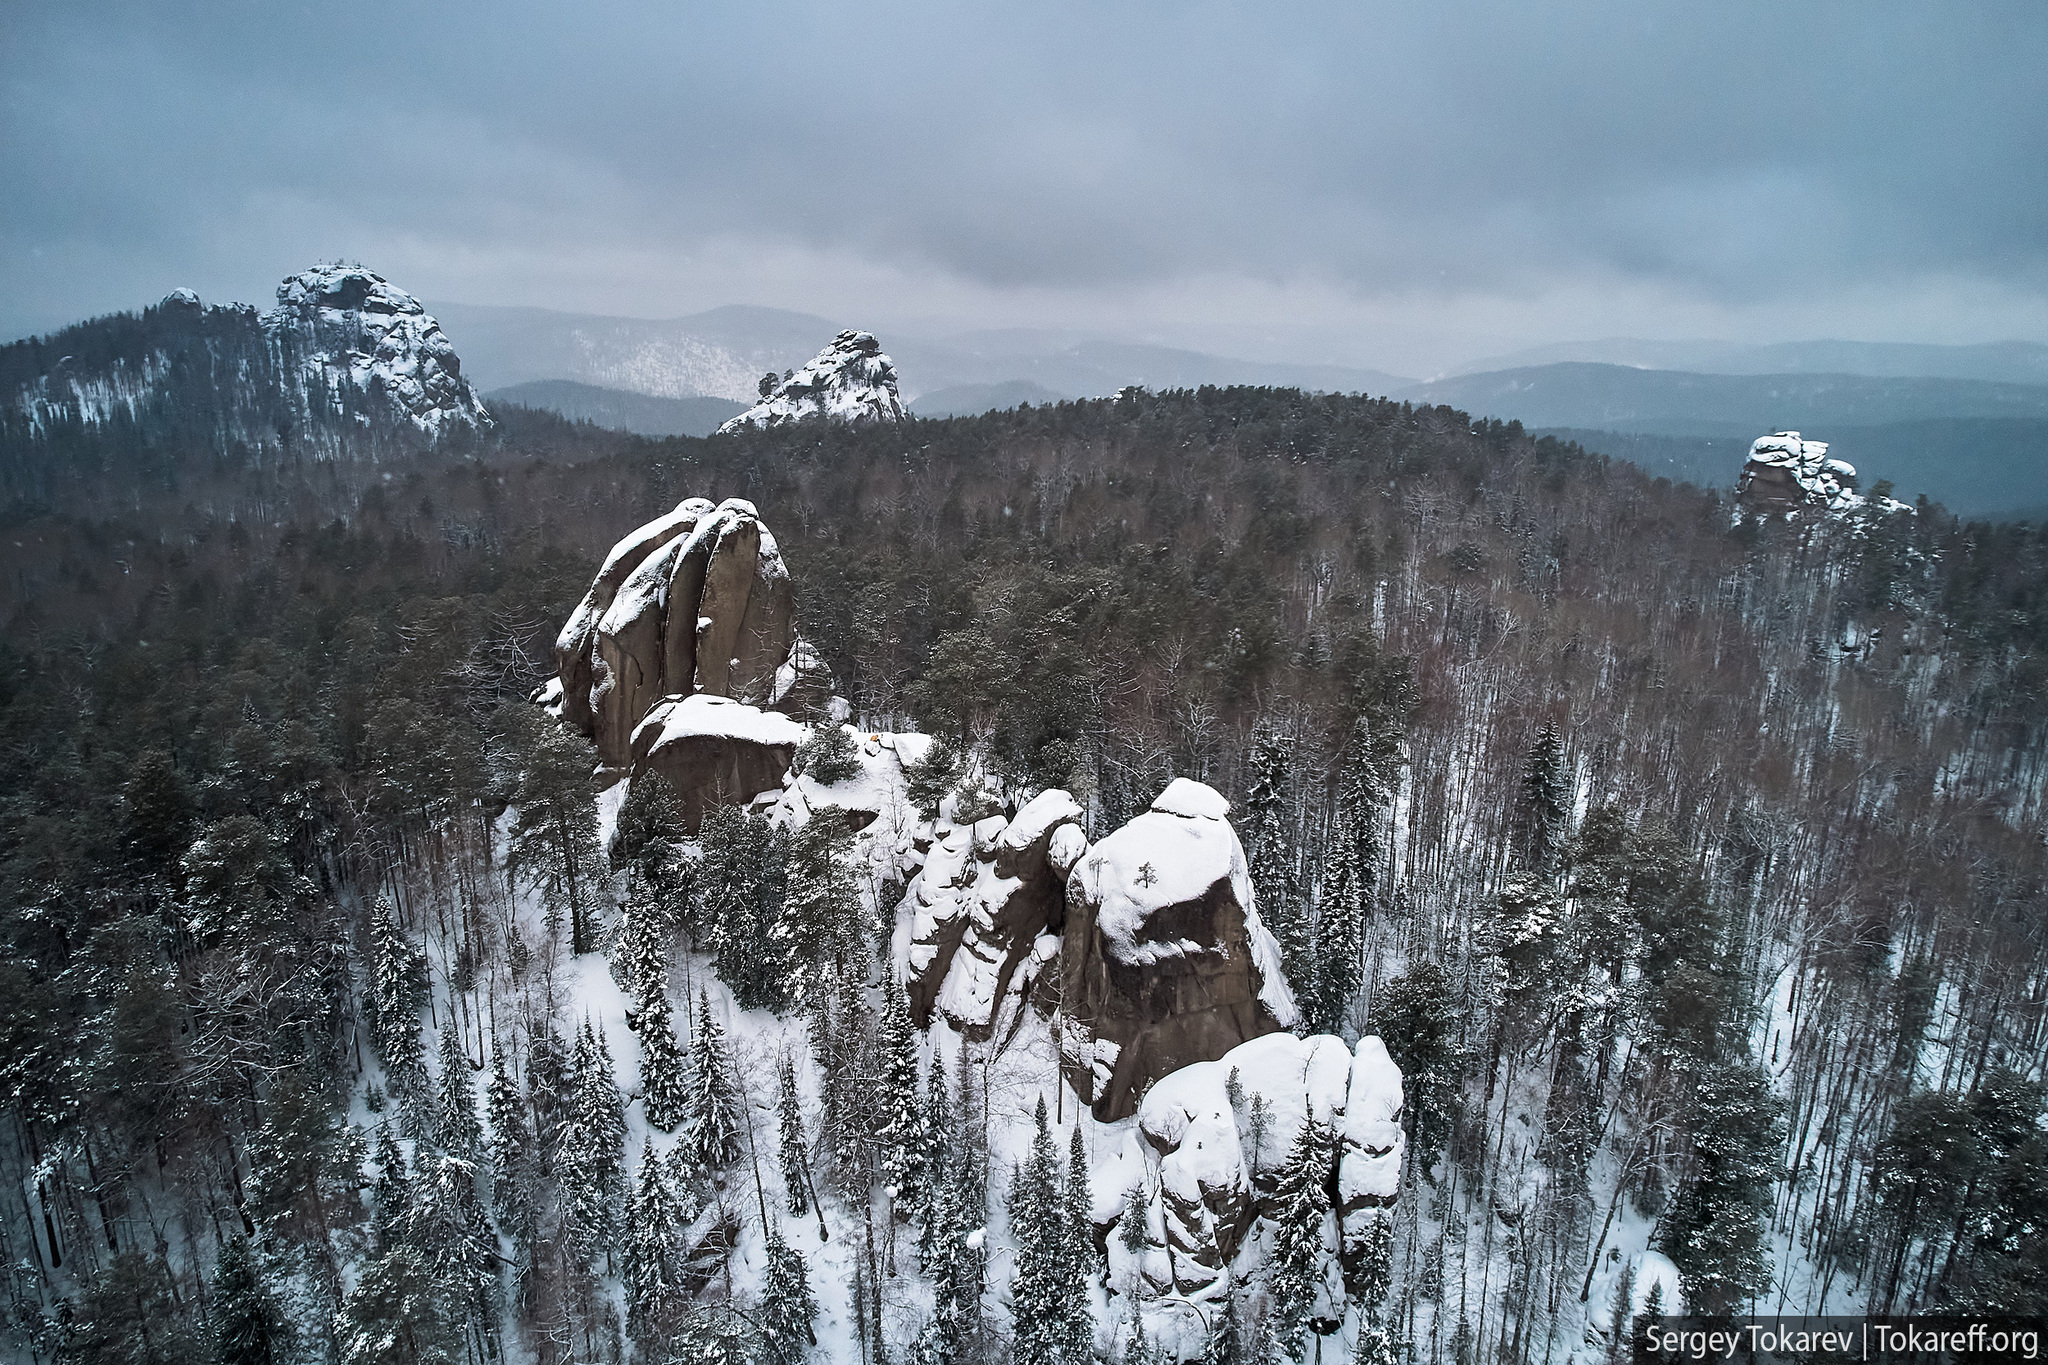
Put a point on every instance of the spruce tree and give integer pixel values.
(1542, 810)
(510, 1149)
(905, 1143)
(788, 1308)
(391, 1195)
(456, 1245)
(1269, 859)
(247, 1329)
(651, 1261)
(713, 1140)
(590, 1152)
(664, 1070)
(459, 1129)
(1039, 1286)
(1301, 1198)
(398, 988)
(789, 1130)
(1077, 1221)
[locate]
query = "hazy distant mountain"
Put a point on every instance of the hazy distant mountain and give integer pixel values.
(1975, 466)
(720, 354)
(1677, 403)
(2011, 362)
(621, 411)
(724, 352)
(966, 400)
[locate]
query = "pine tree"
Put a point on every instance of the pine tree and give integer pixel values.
(713, 1140)
(1542, 812)
(652, 1256)
(906, 1144)
(460, 1129)
(590, 1152)
(1269, 858)
(247, 1329)
(788, 1308)
(789, 1130)
(1301, 1199)
(510, 1149)
(1039, 1285)
(554, 836)
(664, 1070)
(398, 988)
(1416, 1017)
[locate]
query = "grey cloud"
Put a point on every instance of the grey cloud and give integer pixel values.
(1730, 153)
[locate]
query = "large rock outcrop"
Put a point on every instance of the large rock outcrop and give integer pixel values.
(697, 601)
(1208, 1171)
(714, 751)
(986, 911)
(1164, 961)
(341, 327)
(1787, 474)
(849, 381)
(686, 635)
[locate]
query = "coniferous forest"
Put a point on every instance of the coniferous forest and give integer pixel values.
(1689, 865)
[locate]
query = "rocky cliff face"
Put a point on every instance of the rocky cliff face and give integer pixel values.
(849, 381)
(986, 911)
(1785, 474)
(340, 326)
(1210, 1172)
(695, 604)
(347, 366)
(1164, 960)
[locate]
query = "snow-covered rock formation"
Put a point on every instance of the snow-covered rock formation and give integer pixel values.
(695, 604)
(849, 381)
(1215, 1135)
(988, 903)
(1164, 959)
(346, 366)
(339, 326)
(1784, 474)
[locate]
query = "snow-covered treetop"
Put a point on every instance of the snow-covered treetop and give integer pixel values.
(849, 381)
(348, 324)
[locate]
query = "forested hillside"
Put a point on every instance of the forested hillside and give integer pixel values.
(1697, 866)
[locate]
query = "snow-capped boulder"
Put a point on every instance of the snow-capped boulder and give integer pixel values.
(1164, 960)
(1215, 1136)
(849, 381)
(340, 327)
(697, 601)
(984, 910)
(714, 751)
(1784, 474)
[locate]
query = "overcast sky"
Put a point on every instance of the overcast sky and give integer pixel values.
(1397, 185)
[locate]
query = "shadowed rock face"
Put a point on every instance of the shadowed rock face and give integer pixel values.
(694, 607)
(714, 752)
(1164, 960)
(694, 602)
(984, 910)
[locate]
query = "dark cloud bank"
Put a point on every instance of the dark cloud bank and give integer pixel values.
(1312, 177)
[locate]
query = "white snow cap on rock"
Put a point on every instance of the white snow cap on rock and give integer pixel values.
(1173, 853)
(849, 381)
(348, 325)
(1825, 482)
